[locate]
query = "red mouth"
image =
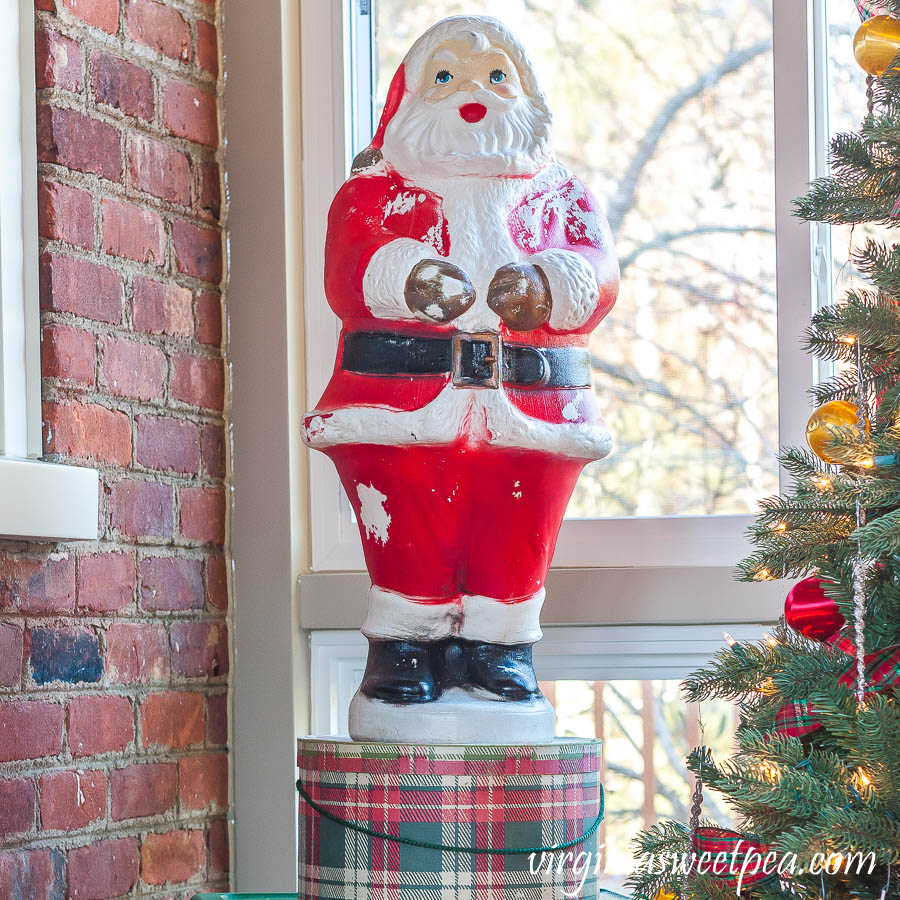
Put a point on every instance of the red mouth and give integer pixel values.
(473, 112)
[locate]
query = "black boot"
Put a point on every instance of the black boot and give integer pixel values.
(400, 672)
(503, 669)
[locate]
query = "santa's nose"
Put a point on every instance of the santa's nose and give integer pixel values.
(473, 112)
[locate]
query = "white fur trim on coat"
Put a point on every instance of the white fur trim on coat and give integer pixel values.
(391, 616)
(573, 287)
(386, 276)
(480, 415)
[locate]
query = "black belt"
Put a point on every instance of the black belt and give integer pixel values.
(481, 359)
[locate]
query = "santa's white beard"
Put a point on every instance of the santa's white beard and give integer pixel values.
(432, 139)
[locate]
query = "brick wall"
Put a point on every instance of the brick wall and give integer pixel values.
(114, 654)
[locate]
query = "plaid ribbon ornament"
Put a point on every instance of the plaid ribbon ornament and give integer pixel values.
(729, 856)
(882, 667)
(867, 9)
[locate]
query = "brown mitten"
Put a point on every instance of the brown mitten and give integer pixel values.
(520, 295)
(438, 290)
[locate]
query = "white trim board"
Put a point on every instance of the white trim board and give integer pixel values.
(48, 501)
(617, 596)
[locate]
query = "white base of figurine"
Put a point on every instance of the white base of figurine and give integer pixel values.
(458, 717)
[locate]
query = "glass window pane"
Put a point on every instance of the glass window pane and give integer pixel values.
(647, 731)
(669, 120)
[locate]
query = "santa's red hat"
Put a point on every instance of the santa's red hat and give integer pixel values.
(407, 76)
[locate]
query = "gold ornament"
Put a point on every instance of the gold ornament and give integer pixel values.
(876, 43)
(663, 894)
(823, 427)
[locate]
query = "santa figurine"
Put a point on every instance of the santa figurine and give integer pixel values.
(468, 268)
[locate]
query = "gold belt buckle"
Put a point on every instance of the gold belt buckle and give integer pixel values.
(477, 359)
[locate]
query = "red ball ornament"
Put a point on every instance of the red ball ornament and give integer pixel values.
(809, 612)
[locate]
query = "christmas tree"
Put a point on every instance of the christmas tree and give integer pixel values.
(815, 780)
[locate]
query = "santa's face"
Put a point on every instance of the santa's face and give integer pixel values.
(468, 115)
(454, 68)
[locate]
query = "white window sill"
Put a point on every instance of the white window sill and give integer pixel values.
(47, 501)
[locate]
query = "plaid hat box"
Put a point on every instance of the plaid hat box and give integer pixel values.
(441, 803)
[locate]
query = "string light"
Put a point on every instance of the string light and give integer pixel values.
(764, 575)
(823, 483)
(780, 527)
(862, 777)
(849, 339)
(867, 463)
(729, 639)
(770, 640)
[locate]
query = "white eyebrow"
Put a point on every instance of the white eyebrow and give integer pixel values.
(445, 56)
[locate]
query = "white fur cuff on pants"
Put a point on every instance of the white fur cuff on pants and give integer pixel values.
(392, 616)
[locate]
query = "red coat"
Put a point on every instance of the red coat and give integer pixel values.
(368, 213)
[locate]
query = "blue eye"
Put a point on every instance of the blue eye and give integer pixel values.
(497, 76)
(443, 77)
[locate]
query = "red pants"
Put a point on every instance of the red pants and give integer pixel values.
(457, 529)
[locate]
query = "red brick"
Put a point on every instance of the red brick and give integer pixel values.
(212, 445)
(158, 169)
(190, 112)
(105, 582)
(199, 649)
(172, 857)
(203, 781)
(162, 307)
(16, 806)
(38, 585)
(122, 85)
(143, 790)
(132, 231)
(203, 514)
(87, 431)
(218, 848)
(209, 319)
(217, 583)
(217, 719)
(68, 354)
(198, 251)
(207, 47)
(11, 648)
(104, 869)
(103, 14)
(133, 369)
(173, 719)
(100, 723)
(198, 381)
(33, 875)
(72, 800)
(159, 27)
(57, 61)
(78, 142)
(142, 508)
(136, 653)
(30, 730)
(81, 287)
(210, 189)
(171, 583)
(65, 214)
(168, 444)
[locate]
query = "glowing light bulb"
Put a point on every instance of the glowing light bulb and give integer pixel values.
(764, 575)
(862, 777)
(780, 527)
(867, 463)
(823, 483)
(729, 639)
(849, 339)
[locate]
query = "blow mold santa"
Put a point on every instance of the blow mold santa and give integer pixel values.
(468, 268)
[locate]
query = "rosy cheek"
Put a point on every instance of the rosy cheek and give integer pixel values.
(504, 90)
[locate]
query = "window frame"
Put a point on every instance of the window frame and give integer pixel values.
(579, 653)
(699, 542)
(40, 500)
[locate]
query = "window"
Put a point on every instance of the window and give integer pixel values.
(698, 368)
(619, 684)
(36, 499)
